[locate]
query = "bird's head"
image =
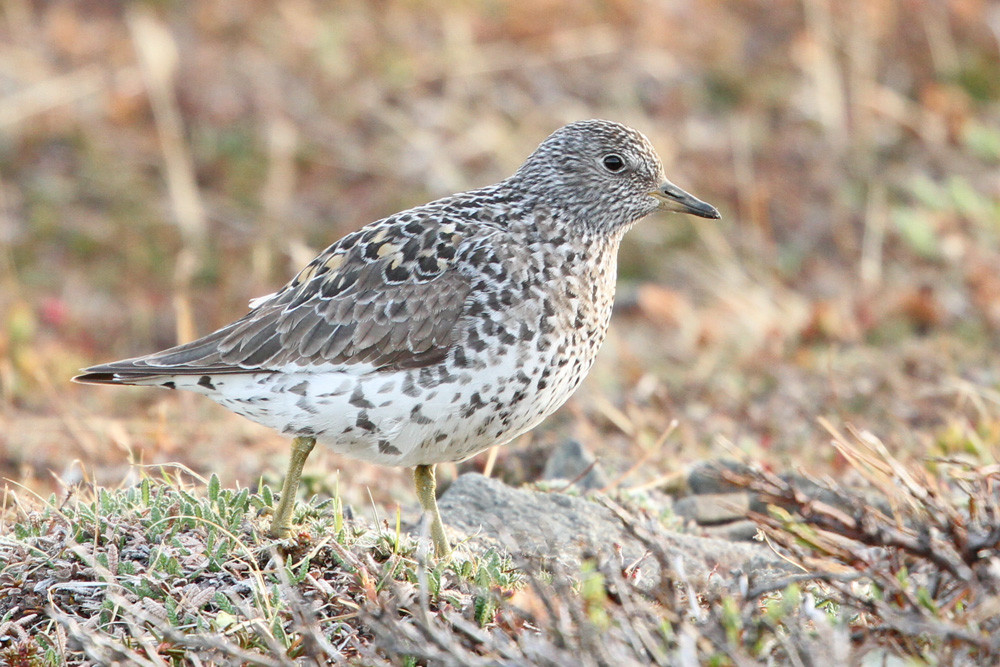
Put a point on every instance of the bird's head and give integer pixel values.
(605, 175)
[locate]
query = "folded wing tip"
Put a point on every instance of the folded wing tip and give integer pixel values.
(95, 377)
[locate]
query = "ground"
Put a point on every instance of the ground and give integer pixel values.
(160, 166)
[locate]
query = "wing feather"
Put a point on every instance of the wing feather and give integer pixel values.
(366, 299)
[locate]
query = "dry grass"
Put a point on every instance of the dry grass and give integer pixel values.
(160, 165)
(166, 572)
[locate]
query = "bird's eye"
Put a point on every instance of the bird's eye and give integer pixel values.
(613, 163)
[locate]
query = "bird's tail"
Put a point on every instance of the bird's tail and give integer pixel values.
(122, 372)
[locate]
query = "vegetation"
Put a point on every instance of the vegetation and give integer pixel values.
(162, 163)
(164, 572)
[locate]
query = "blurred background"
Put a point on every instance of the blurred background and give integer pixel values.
(161, 163)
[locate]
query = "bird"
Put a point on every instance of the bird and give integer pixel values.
(440, 331)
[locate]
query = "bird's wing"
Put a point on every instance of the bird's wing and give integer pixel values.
(388, 295)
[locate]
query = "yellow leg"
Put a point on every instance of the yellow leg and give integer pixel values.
(423, 479)
(281, 524)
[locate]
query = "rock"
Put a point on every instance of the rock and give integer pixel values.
(715, 508)
(736, 531)
(708, 476)
(568, 461)
(554, 530)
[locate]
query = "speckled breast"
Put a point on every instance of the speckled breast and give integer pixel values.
(533, 339)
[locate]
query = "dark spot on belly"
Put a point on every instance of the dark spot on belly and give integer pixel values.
(428, 378)
(169, 384)
(304, 404)
(358, 399)
(385, 448)
(409, 388)
(418, 417)
(363, 422)
(300, 388)
(206, 382)
(475, 343)
(475, 403)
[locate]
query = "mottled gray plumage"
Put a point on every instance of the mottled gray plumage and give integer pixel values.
(439, 331)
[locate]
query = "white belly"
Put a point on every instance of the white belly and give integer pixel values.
(404, 417)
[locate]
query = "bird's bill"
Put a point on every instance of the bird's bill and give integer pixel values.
(672, 198)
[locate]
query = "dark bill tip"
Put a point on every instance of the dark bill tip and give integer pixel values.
(704, 210)
(672, 198)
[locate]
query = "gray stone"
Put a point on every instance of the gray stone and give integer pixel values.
(568, 461)
(737, 531)
(715, 508)
(709, 476)
(554, 530)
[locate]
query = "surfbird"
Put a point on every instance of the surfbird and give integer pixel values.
(437, 332)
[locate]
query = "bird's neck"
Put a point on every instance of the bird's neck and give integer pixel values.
(586, 262)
